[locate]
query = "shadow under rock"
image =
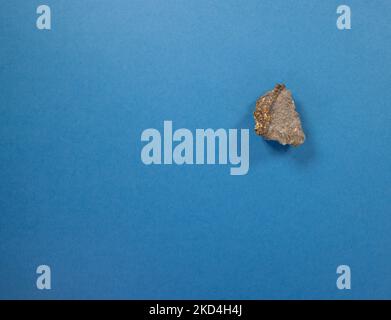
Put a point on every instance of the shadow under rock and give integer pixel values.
(307, 151)
(277, 147)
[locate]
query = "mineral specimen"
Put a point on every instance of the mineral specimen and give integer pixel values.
(276, 117)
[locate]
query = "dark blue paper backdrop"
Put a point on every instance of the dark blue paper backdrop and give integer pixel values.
(75, 195)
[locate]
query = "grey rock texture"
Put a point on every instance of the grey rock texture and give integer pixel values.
(276, 117)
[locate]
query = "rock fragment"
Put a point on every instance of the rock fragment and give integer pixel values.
(276, 117)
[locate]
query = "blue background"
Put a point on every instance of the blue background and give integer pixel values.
(75, 195)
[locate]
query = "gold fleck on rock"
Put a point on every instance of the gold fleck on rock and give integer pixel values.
(276, 117)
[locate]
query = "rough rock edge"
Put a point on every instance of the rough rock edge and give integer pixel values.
(276, 117)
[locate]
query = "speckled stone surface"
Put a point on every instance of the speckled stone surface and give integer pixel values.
(276, 117)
